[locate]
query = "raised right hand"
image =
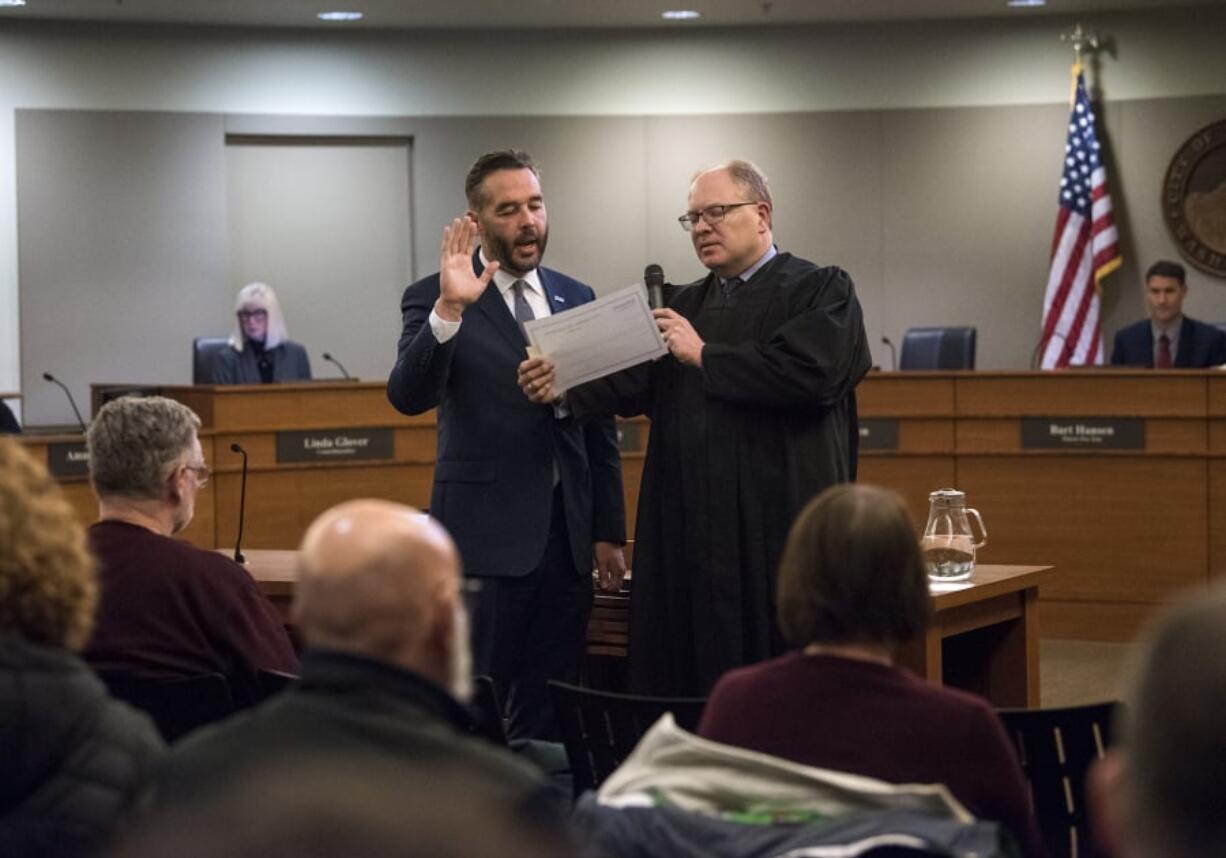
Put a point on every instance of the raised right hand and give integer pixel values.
(458, 285)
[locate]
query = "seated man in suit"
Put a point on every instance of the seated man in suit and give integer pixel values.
(168, 609)
(1168, 339)
(380, 605)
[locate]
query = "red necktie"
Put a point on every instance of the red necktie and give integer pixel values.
(1164, 352)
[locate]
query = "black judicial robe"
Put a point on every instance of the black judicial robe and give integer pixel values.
(737, 448)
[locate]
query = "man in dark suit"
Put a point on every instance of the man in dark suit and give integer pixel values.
(1168, 339)
(529, 495)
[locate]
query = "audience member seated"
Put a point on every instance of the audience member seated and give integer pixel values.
(1158, 792)
(1168, 339)
(358, 808)
(851, 588)
(379, 605)
(73, 758)
(260, 350)
(168, 609)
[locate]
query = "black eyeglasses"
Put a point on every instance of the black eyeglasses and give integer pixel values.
(711, 214)
(253, 314)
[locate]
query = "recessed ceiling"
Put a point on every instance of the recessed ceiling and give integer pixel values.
(584, 14)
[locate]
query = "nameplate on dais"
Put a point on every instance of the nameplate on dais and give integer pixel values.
(68, 460)
(1094, 433)
(333, 445)
(878, 433)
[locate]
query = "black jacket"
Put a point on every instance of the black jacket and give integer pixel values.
(71, 758)
(354, 711)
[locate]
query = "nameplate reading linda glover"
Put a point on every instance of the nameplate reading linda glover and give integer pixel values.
(597, 338)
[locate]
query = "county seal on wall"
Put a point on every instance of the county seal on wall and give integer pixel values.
(1194, 199)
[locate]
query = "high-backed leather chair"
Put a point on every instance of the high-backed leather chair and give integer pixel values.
(203, 350)
(938, 348)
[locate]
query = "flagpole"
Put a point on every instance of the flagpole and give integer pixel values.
(1085, 247)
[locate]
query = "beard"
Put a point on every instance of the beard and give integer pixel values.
(460, 670)
(498, 248)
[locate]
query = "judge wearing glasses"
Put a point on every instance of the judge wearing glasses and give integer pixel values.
(753, 413)
(260, 351)
(168, 609)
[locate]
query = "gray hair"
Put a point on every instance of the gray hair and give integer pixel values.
(135, 443)
(751, 178)
(262, 297)
(1174, 738)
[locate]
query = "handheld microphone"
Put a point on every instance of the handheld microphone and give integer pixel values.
(242, 504)
(653, 279)
(331, 359)
(51, 378)
(893, 353)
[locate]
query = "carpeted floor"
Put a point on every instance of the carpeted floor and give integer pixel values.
(1074, 672)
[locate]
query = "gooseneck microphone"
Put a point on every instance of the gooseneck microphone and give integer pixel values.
(653, 279)
(51, 378)
(339, 365)
(1036, 359)
(242, 504)
(893, 353)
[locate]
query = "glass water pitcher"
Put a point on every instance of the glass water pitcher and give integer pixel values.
(948, 542)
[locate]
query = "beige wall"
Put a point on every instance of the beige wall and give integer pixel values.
(921, 157)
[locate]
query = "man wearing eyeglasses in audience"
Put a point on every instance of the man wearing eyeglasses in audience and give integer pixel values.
(168, 609)
(752, 414)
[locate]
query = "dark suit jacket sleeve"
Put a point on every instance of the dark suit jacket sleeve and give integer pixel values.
(1117, 350)
(419, 377)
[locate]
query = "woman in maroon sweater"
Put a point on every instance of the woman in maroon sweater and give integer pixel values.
(851, 587)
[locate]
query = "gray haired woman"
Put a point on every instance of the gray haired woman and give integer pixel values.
(260, 351)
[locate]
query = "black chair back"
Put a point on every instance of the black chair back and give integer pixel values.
(1057, 748)
(177, 706)
(203, 350)
(938, 348)
(600, 728)
(488, 718)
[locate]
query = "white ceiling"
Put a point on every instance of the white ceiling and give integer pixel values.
(585, 14)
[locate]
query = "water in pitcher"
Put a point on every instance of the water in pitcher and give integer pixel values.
(948, 558)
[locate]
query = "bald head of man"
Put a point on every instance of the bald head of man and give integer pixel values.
(382, 580)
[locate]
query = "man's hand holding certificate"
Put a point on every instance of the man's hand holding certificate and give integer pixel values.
(588, 342)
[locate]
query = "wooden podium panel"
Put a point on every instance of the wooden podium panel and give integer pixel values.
(281, 503)
(314, 405)
(914, 477)
(909, 394)
(1128, 527)
(1107, 525)
(1102, 393)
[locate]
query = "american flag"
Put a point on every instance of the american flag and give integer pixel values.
(1085, 248)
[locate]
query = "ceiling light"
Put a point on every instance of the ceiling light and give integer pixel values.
(340, 16)
(12, 2)
(680, 15)
(1025, 4)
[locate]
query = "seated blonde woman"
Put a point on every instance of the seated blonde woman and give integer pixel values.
(851, 588)
(73, 758)
(260, 350)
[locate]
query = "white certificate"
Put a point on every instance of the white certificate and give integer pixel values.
(597, 338)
